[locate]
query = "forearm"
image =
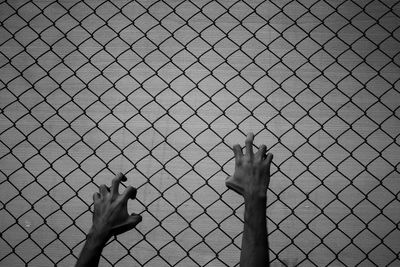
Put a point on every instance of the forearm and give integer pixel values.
(91, 252)
(255, 241)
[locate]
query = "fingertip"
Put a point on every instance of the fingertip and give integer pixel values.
(96, 196)
(130, 192)
(237, 151)
(269, 158)
(236, 148)
(250, 137)
(138, 217)
(116, 180)
(103, 189)
(121, 177)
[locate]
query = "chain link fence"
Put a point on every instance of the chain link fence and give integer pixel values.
(161, 90)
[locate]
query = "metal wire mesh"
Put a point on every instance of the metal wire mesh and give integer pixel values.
(161, 90)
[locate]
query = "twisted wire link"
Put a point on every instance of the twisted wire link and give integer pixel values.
(162, 89)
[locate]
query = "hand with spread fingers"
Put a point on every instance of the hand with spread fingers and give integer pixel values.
(252, 171)
(110, 209)
(110, 218)
(251, 180)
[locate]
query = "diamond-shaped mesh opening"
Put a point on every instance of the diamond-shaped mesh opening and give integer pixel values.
(161, 90)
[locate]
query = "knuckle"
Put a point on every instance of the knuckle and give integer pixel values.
(242, 159)
(247, 160)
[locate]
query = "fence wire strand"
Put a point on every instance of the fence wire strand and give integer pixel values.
(162, 89)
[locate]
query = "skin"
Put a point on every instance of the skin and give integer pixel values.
(251, 180)
(110, 218)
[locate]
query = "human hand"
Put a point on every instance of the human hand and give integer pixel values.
(252, 171)
(110, 215)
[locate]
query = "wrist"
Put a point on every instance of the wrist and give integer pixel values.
(255, 208)
(255, 197)
(98, 236)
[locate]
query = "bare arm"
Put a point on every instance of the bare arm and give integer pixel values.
(110, 218)
(251, 180)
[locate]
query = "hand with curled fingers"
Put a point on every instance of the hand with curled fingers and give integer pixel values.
(252, 170)
(110, 215)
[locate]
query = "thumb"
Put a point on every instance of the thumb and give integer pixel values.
(135, 218)
(127, 225)
(234, 185)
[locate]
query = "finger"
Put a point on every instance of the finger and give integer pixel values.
(135, 218)
(103, 190)
(237, 151)
(96, 197)
(268, 161)
(260, 155)
(127, 225)
(249, 144)
(230, 183)
(129, 193)
(115, 183)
